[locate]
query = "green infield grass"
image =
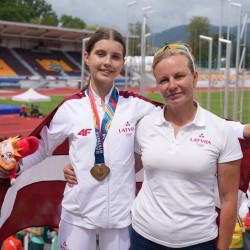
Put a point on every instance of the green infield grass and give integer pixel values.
(217, 103)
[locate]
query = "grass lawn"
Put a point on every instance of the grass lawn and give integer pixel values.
(45, 107)
(217, 103)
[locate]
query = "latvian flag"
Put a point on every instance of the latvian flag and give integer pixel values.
(35, 199)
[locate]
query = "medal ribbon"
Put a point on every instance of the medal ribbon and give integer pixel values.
(102, 131)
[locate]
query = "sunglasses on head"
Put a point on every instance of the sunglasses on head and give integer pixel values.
(175, 47)
(171, 46)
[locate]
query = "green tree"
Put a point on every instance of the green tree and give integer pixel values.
(50, 18)
(199, 26)
(72, 22)
(11, 10)
(28, 11)
(93, 27)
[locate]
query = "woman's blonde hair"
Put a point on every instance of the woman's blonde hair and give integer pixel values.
(172, 50)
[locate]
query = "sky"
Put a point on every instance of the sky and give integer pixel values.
(165, 13)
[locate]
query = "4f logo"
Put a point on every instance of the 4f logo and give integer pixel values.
(85, 132)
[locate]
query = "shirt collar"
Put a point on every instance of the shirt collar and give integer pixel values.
(98, 99)
(199, 119)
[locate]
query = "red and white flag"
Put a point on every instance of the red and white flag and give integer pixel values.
(35, 199)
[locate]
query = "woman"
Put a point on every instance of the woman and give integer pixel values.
(36, 242)
(100, 125)
(184, 150)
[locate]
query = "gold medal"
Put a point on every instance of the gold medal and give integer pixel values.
(100, 171)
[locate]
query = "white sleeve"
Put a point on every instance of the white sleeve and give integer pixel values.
(231, 149)
(137, 147)
(51, 138)
(238, 129)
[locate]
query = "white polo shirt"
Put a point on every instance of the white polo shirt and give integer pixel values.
(175, 206)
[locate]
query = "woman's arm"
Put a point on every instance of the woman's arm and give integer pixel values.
(246, 131)
(37, 231)
(241, 130)
(228, 184)
(70, 176)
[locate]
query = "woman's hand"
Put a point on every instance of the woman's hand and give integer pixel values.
(69, 175)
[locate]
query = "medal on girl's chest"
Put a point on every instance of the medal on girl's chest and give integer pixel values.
(100, 171)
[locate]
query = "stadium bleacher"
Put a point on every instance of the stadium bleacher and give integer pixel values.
(48, 62)
(13, 66)
(39, 55)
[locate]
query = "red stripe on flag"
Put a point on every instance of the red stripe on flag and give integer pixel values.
(37, 204)
(4, 186)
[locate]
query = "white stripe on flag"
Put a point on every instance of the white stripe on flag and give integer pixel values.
(45, 171)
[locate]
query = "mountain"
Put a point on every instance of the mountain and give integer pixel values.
(180, 33)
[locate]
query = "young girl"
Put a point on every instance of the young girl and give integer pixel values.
(100, 124)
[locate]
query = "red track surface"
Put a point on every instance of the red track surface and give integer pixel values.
(13, 125)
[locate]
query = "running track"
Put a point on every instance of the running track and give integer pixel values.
(13, 125)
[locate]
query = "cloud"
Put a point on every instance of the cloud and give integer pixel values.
(167, 14)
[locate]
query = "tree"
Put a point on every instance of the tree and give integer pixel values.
(11, 10)
(26, 11)
(93, 27)
(72, 22)
(199, 26)
(50, 18)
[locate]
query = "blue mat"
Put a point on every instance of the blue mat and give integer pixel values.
(8, 109)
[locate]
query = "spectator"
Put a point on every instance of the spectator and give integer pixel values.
(23, 110)
(20, 235)
(54, 238)
(36, 242)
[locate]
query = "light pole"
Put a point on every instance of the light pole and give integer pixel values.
(146, 12)
(243, 36)
(84, 40)
(210, 40)
(127, 47)
(220, 30)
(227, 79)
(236, 89)
(228, 19)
